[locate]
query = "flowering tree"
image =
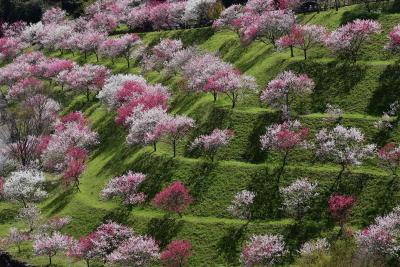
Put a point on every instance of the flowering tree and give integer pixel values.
(25, 186)
(211, 143)
(199, 68)
(17, 237)
(30, 215)
(297, 197)
(119, 47)
(390, 157)
(198, 12)
(284, 138)
(103, 22)
(347, 40)
(83, 249)
(312, 249)
(379, 242)
(303, 36)
(174, 198)
(107, 238)
(229, 18)
(55, 224)
(50, 245)
(173, 129)
(136, 251)
(9, 48)
(75, 165)
(335, 114)
(162, 53)
(344, 146)
(89, 42)
(230, 82)
(267, 27)
(54, 15)
(177, 253)
(285, 88)
(386, 122)
(142, 125)
(241, 205)
(339, 208)
(394, 40)
(264, 250)
(125, 186)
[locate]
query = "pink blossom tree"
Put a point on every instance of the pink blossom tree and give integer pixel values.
(89, 42)
(120, 47)
(344, 146)
(9, 48)
(75, 165)
(231, 82)
(304, 37)
(210, 144)
(241, 205)
(54, 15)
(162, 53)
(284, 138)
(347, 40)
(263, 250)
(379, 242)
(136, 251)
(30, 215)
(394, 40)
(127, 187)
(389, 156)
(177, 253)
(50, 245)
(339, 208)
(103, 22)
(173, 129)
(175, 198)
(285, 88)
(17, 237)
(229, 19)
(55, 224)
(298, 196)
(83, 249)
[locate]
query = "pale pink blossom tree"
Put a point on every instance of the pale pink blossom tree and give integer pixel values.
(120, 47)
(162, 53)
(30, 215)
(297, 197)
(210, 144)
(126, 187)
(173, 129)
(89, 42)
(263, 250)
(17, 237)
(175, 198)
(282, 91)
(232, 83)
(344, 146)
(389, 156)
(347, 40)
(50, 245)
(54, 15)
(136, 251)
(241, 205)
(229, 19)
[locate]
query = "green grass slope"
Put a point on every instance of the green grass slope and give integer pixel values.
(363, 90)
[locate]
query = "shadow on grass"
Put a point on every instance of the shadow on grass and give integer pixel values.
(200, 179)
(7, 215)
(59, 202)
(229, 246)
(164, 229)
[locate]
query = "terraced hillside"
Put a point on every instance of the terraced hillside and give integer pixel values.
(363, 90)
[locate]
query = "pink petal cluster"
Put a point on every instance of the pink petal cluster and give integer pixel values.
(241, 204)
(282, 91)
(263, 250)
(340, 205)
(390, 156)
(211, 143)
(174, 198)
(50, 245)
(127, 187)
(177, 253)
(285, 136)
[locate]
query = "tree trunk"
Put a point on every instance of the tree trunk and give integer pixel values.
(174, 147)
(215, 96)
(87, 94)
(127, 61)
(305, 54)
(87, 263)
(291, 51)
(49, 260)
(85, 55)
(155, 146)
(97, 56)
(282, 167)
(337, 180)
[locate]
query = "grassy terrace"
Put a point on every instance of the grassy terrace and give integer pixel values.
(363, 90)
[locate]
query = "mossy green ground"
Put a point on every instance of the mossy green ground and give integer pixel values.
(363, 90)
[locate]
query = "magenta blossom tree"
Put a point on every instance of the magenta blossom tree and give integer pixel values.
(175, 198)
(297, 197)
(231, 82)
(136, 251)
(347, 40)
(303, 37)
(284, 138)
(389, 155)
(339, 208)
(127, 187)
(210, 144)
(173, 129)
(241, 205)
(285, 88)
(177, 253)
(83, 249)
(344, 146)
(75, 165)
(263, 250)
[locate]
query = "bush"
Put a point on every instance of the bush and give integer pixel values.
(349, 16)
